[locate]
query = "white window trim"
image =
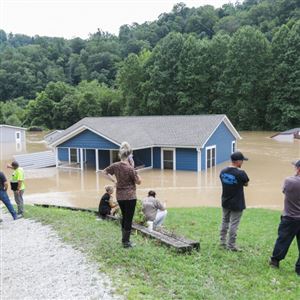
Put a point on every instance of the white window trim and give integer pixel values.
(77, 155)
(162, 157)
(233, 143)
(206, 150)
(18, 140)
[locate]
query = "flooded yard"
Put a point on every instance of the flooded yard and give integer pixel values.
(269, 163)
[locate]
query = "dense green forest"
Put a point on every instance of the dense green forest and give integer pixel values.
(242, 60)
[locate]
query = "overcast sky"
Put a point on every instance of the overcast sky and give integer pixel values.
(78, 18)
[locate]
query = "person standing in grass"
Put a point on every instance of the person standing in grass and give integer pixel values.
(18, 185)
(125, 177)
(233, 180)
(289, 226)
(4, 197)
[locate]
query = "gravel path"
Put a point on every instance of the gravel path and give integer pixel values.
(36, 264)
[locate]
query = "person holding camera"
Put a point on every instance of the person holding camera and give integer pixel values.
(125, 177)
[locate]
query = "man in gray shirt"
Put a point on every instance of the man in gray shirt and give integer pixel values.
(154, 210)
(289, 227)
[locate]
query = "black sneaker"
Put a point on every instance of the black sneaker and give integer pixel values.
(128, 245)
(222, 246)
(274, 263)
(18, 217)
(234, 249)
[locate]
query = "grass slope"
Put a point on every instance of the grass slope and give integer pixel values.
(151, 271)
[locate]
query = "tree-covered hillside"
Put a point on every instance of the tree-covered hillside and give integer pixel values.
(242, 60)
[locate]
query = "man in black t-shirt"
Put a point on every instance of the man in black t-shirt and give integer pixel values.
(233, 200)
(4, 197)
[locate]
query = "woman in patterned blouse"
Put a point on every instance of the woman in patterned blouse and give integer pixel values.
(125, 177)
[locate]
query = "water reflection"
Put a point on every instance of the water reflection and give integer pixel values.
(269, 164)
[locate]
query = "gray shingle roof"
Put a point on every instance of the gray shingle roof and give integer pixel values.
(145, 131)
(287, 132)
(294, 130)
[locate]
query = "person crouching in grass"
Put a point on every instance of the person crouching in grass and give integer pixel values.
(107, 206)
(154, 210)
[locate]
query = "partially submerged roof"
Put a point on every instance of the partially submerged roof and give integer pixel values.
(13, 127)
(50, 137)
(287, 132)
(148, 131)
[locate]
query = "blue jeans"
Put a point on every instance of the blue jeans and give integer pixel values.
(288, 229)
(160, 217)
(5, 199)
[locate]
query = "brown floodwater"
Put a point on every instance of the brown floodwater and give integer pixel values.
(269, 163)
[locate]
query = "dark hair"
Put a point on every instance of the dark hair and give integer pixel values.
(15, 164)
(151, 194)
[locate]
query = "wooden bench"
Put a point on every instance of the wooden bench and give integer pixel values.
(170, 239)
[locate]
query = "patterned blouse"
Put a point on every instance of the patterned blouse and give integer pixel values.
(126, 180)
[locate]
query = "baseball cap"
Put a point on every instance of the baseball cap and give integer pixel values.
(238, 156)
(296, 163)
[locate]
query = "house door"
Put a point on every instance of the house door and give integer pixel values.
(18, 137)
(210, 157)
(168, 159)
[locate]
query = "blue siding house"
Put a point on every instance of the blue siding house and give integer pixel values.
(192, 143)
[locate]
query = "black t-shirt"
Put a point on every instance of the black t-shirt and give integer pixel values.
(2, 180)
(104, 207)
(233, 181)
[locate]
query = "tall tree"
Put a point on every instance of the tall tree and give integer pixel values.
(130, 79)
(245, 85)
(284, 107)
(161, 87)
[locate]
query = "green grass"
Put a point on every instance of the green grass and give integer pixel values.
(152, 271)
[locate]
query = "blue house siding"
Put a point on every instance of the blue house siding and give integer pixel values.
(88, 139)
(63, 154)
(104, 159)
(186, 159)
(142, 157)
(156, 158)
(222, 138)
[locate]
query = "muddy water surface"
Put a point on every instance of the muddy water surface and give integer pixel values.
(269, 163)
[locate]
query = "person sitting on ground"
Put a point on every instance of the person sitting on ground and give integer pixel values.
(107, 206)
(154, 210)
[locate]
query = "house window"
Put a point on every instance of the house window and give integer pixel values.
(74, 155)
(210, 157)
(168, 159)
(233, 144)
(114, 156)
(18, 136)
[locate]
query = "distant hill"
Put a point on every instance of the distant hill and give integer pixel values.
(146, 70)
